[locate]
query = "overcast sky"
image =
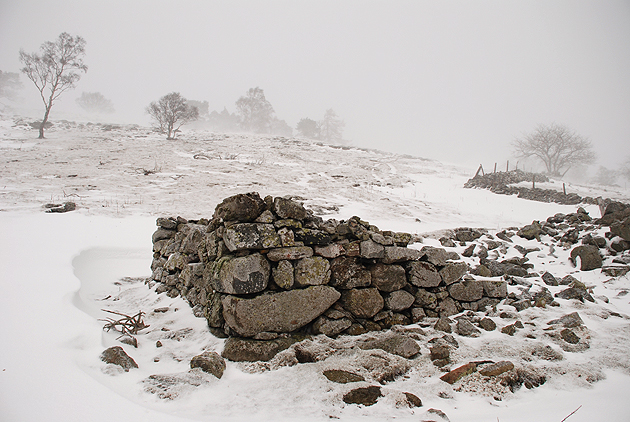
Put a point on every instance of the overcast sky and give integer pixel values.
(451, 80)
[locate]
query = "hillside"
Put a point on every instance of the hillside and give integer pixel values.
(61, 270)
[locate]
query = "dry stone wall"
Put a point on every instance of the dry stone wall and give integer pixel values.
(263, 267)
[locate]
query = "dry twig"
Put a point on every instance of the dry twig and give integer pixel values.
(571, 414)
(128, 325)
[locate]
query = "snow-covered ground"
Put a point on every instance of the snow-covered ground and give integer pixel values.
(60, 270)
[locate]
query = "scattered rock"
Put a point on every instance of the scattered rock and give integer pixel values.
(116, 355)
(487, 324)
(393, 343)
(569, 336)
(456, 374)
(590, 258)
(247, 350)
(209, 362)
(495, 369)
(342, 377)
(366, 396)
(465, 328)
(569, 321)
(443, 324)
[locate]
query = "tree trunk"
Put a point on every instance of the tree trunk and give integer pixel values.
(44, 121)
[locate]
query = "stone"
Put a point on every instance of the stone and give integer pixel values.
(496, 369)
(347, 273)
(363, 303)
(575, 293)
(331, 327)
(370, 250)
(399, 300)
(468, 252)
(241, 275)
(549, 279)
(615, 270)
(388, 278)
(395, 254)
(432, 414)
(569, 336)
(621, 229)
(265, 217)
(465, 234)
(466, 291)
(569, 321)
(509, 329)
(443, 324)
(522, 304)
(286, 208)
(239, 349)
(242, 207)
(447, 242)
(366, 396)
(176, 261)
(487, 324)
(342, 377)
(330, 251)
(162, 234)
(209, 362)
(417, 314)
(116, 355)
(531, 231)
(440, 352)
(167, 223)
(251, 236)
(413, 400)
(453, 271)
(590, 258)
(423, 274)
(494, 288)
(436, 256)
(456, 374)
(393, 343)
(425, 299)
(448, 307)
(466, 328)
(280, 312)
(504, 268)
(283, 275)
(290, 253)
(313, 237)
(312, 271)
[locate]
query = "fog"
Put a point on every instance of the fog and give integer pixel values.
(455, 81)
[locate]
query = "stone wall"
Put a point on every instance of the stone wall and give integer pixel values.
(263, 267)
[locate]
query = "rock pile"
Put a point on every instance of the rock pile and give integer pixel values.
(500, 182)
(261, 268)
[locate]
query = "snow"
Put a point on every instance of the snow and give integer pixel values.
(60, 270)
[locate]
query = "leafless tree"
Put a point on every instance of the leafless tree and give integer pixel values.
(558, 147)
(54, 71)
(171, 112)
(95, 102)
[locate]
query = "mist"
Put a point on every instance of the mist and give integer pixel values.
(455, 81)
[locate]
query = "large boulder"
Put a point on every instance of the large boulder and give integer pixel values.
(241, 275)
(388, 278)
(494, 288)
(393, 343)
(286, 208)
(251, 236)
(399, 300)
(466, 291)
(242, 207)
(247, 350)
(453, 271)
(312, 271)
(394, 254)
(347, 273)
(531, 231)
(423, 274)
(621, 229)
(363, 303)
(589, 257)
(280, 312)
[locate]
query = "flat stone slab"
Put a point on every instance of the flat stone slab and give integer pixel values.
(281, 312)
(459, 373)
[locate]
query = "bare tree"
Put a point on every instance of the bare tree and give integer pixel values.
(331, 128)
(54, 71)
(95, 102)
(171, 112)
(254, 111)
(558, 147)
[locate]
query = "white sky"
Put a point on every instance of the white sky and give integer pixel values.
(451, 80)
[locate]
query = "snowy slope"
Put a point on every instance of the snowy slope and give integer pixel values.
(60, 270)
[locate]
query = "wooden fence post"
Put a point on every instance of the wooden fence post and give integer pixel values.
(495, 167)
(534, 181)
(507, 166)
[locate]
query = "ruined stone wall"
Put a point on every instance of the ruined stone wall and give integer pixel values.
(262, 267)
